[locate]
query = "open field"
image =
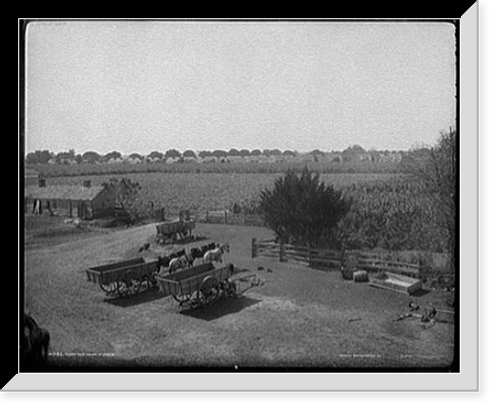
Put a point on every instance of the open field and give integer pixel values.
(300, 317)
(210, 191)
(55, 170)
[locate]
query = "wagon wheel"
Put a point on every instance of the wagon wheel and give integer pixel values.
(150, 281)
(109, 288)
(182, 298)
(209, 291)
(230, 289)
(127, 285)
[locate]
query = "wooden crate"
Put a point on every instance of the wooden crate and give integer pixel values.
(396, 282)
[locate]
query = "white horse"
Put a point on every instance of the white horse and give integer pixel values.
(216, 254)
(181, 262)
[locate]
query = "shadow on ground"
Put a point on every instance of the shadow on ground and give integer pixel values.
(142, 297)
(221, 308)
(421, 292)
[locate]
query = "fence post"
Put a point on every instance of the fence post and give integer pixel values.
(254, 248)
(309, 254)
(225, 217)
(282, 251)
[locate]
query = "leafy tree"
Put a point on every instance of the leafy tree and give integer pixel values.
(39, 157)
(302, 209)
(136, 155)
(256, 152)
(65, 157)
(126, 194)
(188, 154)
(275, 152)
(288, 152)
(233, 152)
(204, 154)
(172, 153)
(317, 152)
(219, 153)
(91, 157)
(244, 152)
(156, 155)
(436, 168)
(352, 153)
(112, 155)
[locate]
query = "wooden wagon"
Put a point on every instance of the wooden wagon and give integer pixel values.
(124, 278)
(170, 231)
(203, 285)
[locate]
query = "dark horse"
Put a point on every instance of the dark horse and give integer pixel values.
(34, 344)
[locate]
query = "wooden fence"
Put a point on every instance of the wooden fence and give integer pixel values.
(230, 218)
(306, 255)
(370, 261)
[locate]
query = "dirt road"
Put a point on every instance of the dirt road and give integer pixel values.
(300, 317)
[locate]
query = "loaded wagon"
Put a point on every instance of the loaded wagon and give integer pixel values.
(170, 231)
(203, 285)
(124, 278)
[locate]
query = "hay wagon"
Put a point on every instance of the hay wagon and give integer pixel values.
(125, 278)
(203, 285)
(170, 231)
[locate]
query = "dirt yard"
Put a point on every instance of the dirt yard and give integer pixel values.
(300, 318)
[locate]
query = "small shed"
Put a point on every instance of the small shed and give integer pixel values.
(83, 201)
(31, 176)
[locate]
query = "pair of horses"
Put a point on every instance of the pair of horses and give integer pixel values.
(208, 255)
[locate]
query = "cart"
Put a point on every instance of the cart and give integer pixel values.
(203, 285)
(170, 231)
(125, 278)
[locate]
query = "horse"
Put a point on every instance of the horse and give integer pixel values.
(181, 262)
(216, 254)
(35, 343)
(199, 252)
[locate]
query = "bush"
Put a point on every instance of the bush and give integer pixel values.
(302, 210)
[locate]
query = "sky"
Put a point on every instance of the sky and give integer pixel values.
(140, 86)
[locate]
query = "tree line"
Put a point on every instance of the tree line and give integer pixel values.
(92, 157)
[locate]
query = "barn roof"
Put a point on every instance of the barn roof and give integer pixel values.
(63, 192)
(31, 173)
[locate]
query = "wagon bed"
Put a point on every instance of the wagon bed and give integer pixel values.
(169, 230)
(203, 285)
(124, 277)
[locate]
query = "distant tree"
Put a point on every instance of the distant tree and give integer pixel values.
(188, 154)
(288, 152)
(301, 209)
(219, 153)
(172, 153)
(233, 152)
(275, 152)
(317, 152)
(136, 155)
(244, 152)
(112, 155)
(91, 157)
(155, 155)
(204, 154)
(63, 158)
(353, 153)
(39, 157)
(256, 152)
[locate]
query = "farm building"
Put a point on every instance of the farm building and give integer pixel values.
(30, 176)
(79, 201)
